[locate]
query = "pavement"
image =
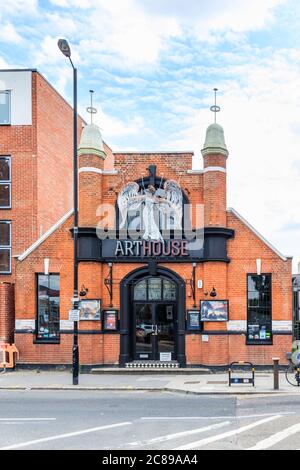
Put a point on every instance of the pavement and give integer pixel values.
(209, 384)
(142, 420)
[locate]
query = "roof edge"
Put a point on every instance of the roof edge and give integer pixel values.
(261, 237)
(190, 152)
(46, 235)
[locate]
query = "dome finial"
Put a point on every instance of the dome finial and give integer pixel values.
(215, 140)
(90, 109)
(215, 109)
(91, 142)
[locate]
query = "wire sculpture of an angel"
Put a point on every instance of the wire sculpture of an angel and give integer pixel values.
(159, 208)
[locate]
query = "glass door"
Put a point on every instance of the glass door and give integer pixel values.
(155, 331)
(165, 320)
(144, 331)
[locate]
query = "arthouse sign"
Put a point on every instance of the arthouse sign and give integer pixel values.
(147, 248)
(135, 250)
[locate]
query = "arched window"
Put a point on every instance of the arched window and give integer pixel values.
(155, 289)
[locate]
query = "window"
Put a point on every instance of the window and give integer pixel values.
(296, 308)
(48, 304)
(5, 182)
(155, 288)
(5, 247)
(259, 328)
(4, 107)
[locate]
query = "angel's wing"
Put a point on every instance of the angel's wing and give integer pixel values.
(173, 197)
(128, 199)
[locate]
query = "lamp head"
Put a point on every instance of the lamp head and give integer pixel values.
(64, 47)
(213, 293)
(83, 291)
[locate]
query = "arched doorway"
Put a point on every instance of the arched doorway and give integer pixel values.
(152, 318)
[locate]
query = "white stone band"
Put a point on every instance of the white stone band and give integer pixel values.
(28, 325)
(90, 169)
(237, 325)
(282, 325)
(214, 168)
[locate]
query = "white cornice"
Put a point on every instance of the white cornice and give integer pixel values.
(206, 170)
(45, 236)
(263, 239)
(195, 172)
(214, 168)
(90, 169)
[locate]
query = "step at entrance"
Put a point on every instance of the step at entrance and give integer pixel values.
(152, 365)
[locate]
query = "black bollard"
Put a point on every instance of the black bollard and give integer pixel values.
(276, 373)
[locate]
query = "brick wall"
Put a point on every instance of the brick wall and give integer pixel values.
(55, 154)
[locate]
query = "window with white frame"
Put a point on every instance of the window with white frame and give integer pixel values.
(5, 182)
(5, 107)
(5, 247)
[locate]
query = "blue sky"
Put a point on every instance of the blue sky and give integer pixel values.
(153, 65)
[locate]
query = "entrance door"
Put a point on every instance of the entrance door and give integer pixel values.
(140, 294)
(144, 332)
(155, 331)
(165, 322)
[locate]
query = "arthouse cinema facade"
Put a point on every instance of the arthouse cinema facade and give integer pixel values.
(167, 273)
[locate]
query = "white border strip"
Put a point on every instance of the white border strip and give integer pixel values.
(45, 236)
(234, 212)
(90, 169)
(26, 324)
(214, 168)
(195, 172)
(282, 325)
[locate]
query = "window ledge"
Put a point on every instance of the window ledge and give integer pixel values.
(44, 342)
(259, 343)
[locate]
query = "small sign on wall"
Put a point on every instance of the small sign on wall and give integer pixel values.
(214, 310)
(165, 357)
(110, 320)
(90, 310)
(193, 320)
(73, 315)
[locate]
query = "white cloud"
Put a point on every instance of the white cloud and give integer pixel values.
(72, 3)
(19, 7)
(113, 127)
(123, 28)
(9, 34)
(133, 33)
(49, 54)
(237, 15)
(3, 63)
(60, 25)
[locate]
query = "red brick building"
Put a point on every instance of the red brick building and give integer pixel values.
(35, 165)
(36, 151)
(168, 274)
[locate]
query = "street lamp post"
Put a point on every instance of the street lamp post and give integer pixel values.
(66, 50)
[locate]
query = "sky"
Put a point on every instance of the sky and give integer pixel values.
(153, 65)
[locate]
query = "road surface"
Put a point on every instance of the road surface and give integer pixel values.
(146, 420)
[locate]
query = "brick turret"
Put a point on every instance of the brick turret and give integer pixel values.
(91, 155)
(215, 154)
